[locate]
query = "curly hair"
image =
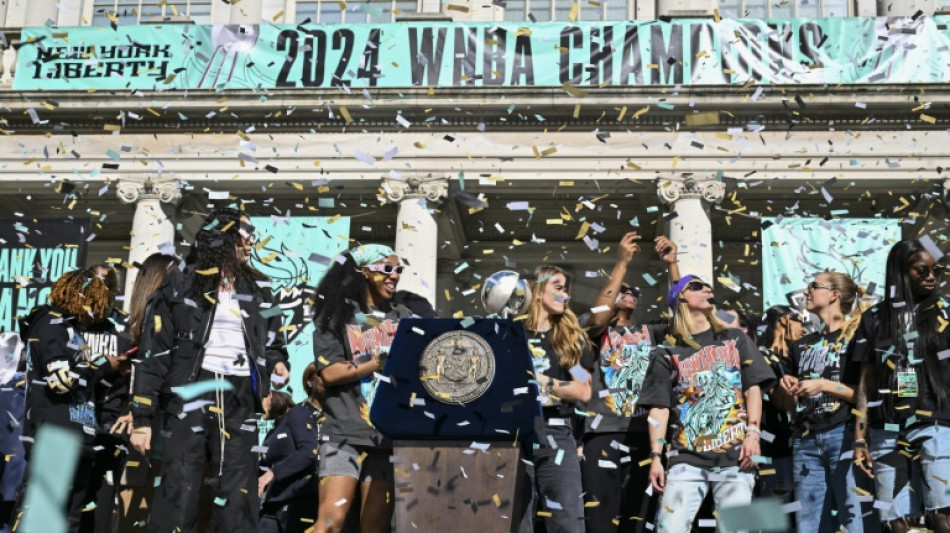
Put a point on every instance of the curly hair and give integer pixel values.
(82, 295)
(567, 337)
(215, 250)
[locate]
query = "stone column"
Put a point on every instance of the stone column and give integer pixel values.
(417, 234)
(152, 231)
(691, 228)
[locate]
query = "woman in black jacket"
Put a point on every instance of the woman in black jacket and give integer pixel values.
(288, 486)
(211, 341)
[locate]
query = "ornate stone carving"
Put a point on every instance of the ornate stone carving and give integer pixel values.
(430, 188)
(130, 191)
(711, 190)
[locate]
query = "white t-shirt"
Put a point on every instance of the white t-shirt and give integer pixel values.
(225, 351)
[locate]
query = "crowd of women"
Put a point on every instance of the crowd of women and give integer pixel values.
(837, 410)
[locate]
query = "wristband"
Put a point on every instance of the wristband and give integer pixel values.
(654, 455)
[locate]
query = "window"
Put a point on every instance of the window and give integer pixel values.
(137, 11)
(332, 11)
(560, 10)
(784, 9)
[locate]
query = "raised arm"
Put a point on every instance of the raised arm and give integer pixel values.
(607, 297)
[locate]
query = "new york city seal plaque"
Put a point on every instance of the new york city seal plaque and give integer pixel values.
(457, 367)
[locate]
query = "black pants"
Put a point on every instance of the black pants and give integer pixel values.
(212, 435)
(103, 483)
(294, 516)
(618, 484)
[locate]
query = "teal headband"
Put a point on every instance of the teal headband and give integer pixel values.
(370, 253)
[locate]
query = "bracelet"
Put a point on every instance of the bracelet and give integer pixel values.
(379, 363)
(753, 429)
(753, 436)
(654, 455)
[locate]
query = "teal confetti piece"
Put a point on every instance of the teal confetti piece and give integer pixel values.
(461, 267)
(50, 480)
(113, 154)
(559, 457)
(220, 502)
(892, 427)
(668, 107)
(466, 322)
(652, 209)
(193, 390)
(635, 222)
(649, 279)
(325, 202)
(763, 514)
(762, 460)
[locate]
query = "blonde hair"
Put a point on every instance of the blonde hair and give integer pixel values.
(853, 301)
(567, 337)
(681, 322)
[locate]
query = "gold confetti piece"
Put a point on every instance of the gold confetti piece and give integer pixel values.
(577, 93)
(583, 231)
(928, 414)
(278, 16)
(927, 118)
(588, 505)
(646, 462)
(142, 399)
(454, 7)
(859, 414)
(575, 10)
(707, 118)
(362, 457)
(208, 272)
(544, 514)
(214, 409)
(641, 112)
(769, 472)
(346, 114)
(623, 111)
(158, 324)
(496, 500)
(112, 127)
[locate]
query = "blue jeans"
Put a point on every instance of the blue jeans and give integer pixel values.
(895, 474)
(686, 487)
(556, 484)
(819, 466)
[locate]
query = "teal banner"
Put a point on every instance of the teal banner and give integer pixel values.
(794, 250)
(428, 54)
(295, 253)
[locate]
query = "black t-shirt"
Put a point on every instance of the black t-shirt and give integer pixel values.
(346, 407)
(884, 406)
(547, 362)
(622, 363)
(703, 387)
(109, 337)
(820, 355)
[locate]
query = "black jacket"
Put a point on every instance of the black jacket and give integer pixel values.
(55, 343)
(174, 331)
(291, 455)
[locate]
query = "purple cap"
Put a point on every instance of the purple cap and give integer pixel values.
(678, 287)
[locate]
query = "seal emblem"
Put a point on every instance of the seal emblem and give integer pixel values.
(457, 367)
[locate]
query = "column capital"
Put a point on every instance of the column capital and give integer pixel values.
(671, 190)
(433, 189)
(131, 191)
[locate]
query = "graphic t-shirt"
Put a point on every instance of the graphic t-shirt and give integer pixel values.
(703, 386)
(547, 362)
(622, 364)
(820, 355)
(108, 337)
(346, 407)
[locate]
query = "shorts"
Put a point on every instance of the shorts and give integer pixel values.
(340, 459)
(905, 486)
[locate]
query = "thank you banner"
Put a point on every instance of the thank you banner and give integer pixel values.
(34, 253)
(442, 54)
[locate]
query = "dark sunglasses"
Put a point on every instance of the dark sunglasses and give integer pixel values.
(819, 285)
(386, 268)
(631, 290)
(249, 229)
(697, 286)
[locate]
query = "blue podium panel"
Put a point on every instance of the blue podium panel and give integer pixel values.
(507, 410)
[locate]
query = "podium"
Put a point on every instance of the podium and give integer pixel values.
(458, 403)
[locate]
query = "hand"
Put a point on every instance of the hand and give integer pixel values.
(123, 424)
(862, 458)
(116, 360)
(666, 249)
(142, 439)
(657, 475)
(628, 247)
(280, 369)
(809, 387)
(263, 481)
(788, 384)
(750, 448)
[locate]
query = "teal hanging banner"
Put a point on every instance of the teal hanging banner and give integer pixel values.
(794, 250)
(435, 54)
(295, 253)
